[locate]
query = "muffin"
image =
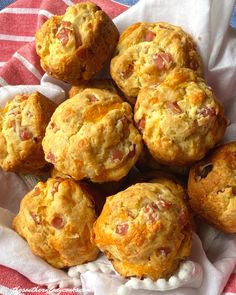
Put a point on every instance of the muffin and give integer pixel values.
(180, 119)
(56, 219)
(212, 188)
(22, 127)
(147, 52)
(91, 135)
(145, 230)
(74, 47)
(105, 84)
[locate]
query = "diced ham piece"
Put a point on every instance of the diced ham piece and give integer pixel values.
(122, 229)
(141, 124)
(151, 211)
(164, 204)
(57, 222)
(163, 60)
(174, 107)
(128, 72)
(63, 36)
(25, 135)
(149, 36)
(92, 98)
(207, 112)
(117, 155)
(51, 157)
(36, 191)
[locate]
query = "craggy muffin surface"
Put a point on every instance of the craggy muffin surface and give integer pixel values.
(212, 188)
(92, 135)
(74, 46)
(56, 219)
(106, 84)
(145, 230)
(22, 127)
(180, 119)
(147, 52)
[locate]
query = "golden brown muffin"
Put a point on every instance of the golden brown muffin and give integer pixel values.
(56, 219)
(212, 188)
(22, 127)
(180, 119)
(145, 230)
(92, 135)
(105, 84)
(74, 47)
(147, 52)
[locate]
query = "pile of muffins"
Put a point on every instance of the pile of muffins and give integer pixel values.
(157, 113)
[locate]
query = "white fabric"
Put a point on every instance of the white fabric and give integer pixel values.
(216, 269)
(188, 274)
(16, 254)
(50, 87)
(207, 21)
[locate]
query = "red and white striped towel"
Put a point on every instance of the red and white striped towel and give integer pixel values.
(18, 23)
(19, 64)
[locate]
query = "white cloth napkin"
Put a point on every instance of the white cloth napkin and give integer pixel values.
(216, 270)
(207, 21)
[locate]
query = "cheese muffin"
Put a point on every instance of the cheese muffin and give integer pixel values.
(105, 84)
(56, 219)
(180, 119)
(147, 52)
(145, 230)
(212, 188)
(92, 135)
(74, 46)
(22, 127)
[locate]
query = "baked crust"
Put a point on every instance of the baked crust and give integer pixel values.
(147, 52)
(74, 47)
(23, 123)
(106, 84)
(145, 230)
(212, 188)
(180, 119)
(56, 219)
(92, 135)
